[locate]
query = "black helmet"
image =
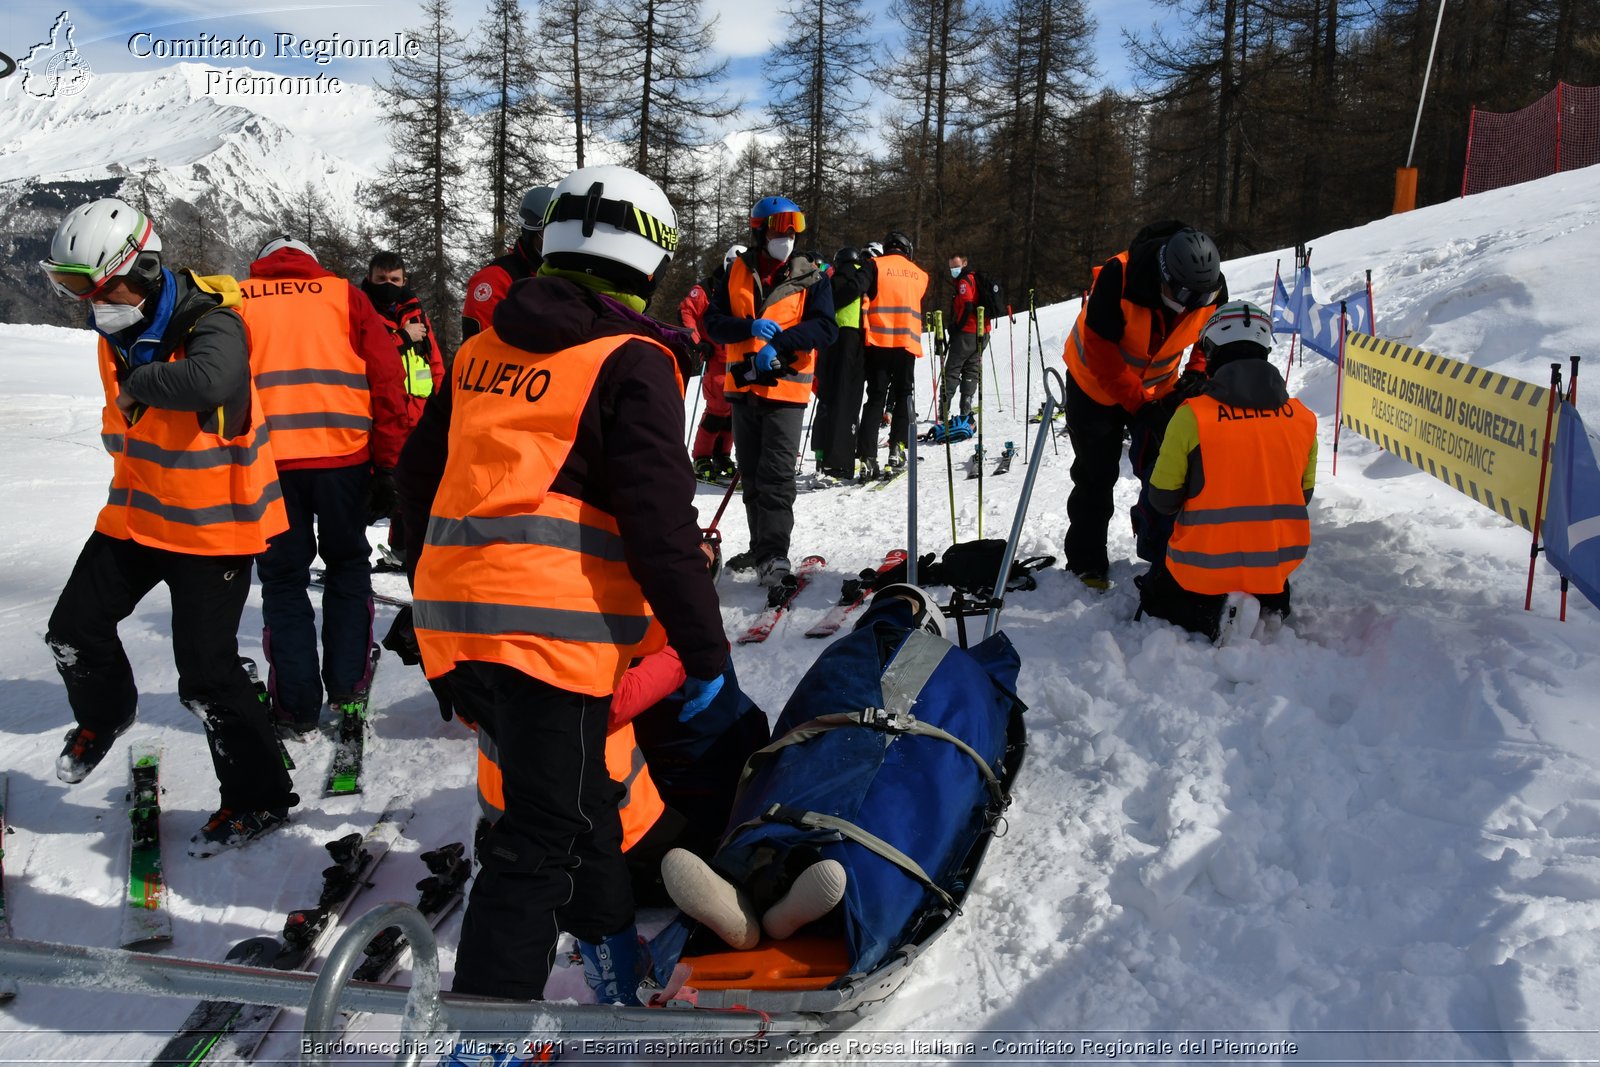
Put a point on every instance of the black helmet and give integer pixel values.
(898, 241)
(531, 211)
(848, 255)
(1192, 267)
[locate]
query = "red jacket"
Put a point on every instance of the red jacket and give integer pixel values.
(369, 336)
(964, 307)
(407, 311)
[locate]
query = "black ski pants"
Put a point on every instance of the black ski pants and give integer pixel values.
(839, 402)
(1097, 431)
(1161, 595)
(327, 509)
(107, 583)
(766, 443)
(890, 374)
(553, 860)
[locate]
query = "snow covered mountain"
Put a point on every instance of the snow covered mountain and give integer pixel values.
(159, 136)
(1374, 835)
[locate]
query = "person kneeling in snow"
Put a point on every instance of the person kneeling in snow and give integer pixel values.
(884, 770)
(1236, 467)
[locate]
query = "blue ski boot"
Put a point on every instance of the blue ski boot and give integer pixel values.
(614, 967)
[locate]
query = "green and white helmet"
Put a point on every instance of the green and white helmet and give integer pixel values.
(1235, 321)
(99, 241)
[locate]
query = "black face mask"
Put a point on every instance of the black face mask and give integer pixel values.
(386, 294)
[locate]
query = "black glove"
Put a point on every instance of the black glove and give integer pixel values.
(402, 638)
(1189, 383)
(381, 496)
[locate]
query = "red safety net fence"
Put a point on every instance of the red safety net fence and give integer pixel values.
(1559, 131)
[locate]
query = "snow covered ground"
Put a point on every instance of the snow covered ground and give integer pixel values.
(1375, 835)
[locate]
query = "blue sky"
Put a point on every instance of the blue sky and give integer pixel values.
(103, 29)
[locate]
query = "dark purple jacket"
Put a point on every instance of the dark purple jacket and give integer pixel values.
(628, 458)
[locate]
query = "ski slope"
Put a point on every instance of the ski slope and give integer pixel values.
(1375, 836)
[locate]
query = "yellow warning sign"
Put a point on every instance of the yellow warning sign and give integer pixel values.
(1479, 432)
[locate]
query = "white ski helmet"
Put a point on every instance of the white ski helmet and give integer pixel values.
(1234, 322)
(614, 223)
(98, 241)
(733, 253)
(925, 613)
(284, 241)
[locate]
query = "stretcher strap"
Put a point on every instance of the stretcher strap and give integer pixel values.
(812, 820)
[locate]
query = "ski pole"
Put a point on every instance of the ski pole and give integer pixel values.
(727, 496)
(911, 475)
(1027, 372)
(941, 349)
(1011, 339)
(694, 409)
(980, 426)
(1053, 397)
(1044, 368)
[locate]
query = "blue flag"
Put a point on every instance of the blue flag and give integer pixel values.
(1572, 517)
(1319, 327)
(1288, 310)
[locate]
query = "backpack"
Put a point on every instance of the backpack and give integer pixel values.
(991, 297)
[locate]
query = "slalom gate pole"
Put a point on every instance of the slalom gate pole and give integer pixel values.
(1289, 366)
(983, 347)
(941, 348)
(1053, 397)
(1544, 463)
(1372, 316)
(981, 456)
(1572, 398)
(1027, 371)
(1011, 339)
(1338, 392)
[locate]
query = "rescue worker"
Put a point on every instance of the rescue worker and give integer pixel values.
(332, 393)
(493, 281)
(562, 543)
(840, 374)
(1237, 468)
(773, 311)
(713, 440)
(1147, 307)
(963, 364)
(194, 495)
(892, 329)
(421, 365)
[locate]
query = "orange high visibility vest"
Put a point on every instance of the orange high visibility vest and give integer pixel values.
(510, 572)
(894, 318)
(1155, 362)
(641, 803)
(1247, 528)
(313, 383)
(785, 305)
(177, 487)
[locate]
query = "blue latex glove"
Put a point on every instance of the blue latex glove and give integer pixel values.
(765, 329)
(767, 361)
(699, 693)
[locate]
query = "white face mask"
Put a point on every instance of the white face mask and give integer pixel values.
(779, 248)
(955, 272)
(114, 318)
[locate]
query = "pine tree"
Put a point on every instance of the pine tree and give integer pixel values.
(417, 194)
(510, 115)
(574, 49)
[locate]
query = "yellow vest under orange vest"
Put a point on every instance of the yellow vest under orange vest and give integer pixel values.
(510, 572)
(785, 305)
(178, 487)
(894, 317)
(313, 383)
(1153, 359)
(1247, 528)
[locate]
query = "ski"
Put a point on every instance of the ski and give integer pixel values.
(318, 578)
(975, 463)
(265, 697)
(231, 1031)
(350, 738)
(887, 478)
(8, 986)
(437, 896)
(779, 597)
(145, 918)
(855, 593)
(1006, 456)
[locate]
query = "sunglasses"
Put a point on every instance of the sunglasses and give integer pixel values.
(782, 222)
